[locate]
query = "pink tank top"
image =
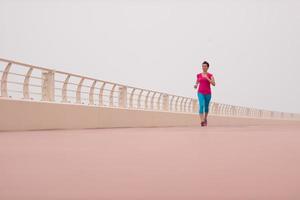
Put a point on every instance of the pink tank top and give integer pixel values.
(204, 86)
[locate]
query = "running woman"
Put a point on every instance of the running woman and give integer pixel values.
(204, 80)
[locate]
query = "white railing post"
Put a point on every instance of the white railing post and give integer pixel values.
(158, 103)
(101, 103)
(64, 90)
(146, 100)
(48, 86)
(139, 99)
(91, 93)
(123, 96)
(131, 98)
(26, 84)
(78, 91)
(111, 96)
(166, 102)
(4, 80)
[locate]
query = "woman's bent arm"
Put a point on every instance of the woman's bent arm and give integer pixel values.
(196, 84)
(212, 80)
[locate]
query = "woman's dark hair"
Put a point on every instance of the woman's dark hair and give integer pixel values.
(205, 62)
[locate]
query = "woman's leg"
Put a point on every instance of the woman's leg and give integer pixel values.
(201, 106)
(207, 100)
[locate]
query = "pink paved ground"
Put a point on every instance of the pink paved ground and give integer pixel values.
(242, 163)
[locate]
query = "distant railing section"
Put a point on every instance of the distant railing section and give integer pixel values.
(25, 81)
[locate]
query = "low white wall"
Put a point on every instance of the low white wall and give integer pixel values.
(16, 115)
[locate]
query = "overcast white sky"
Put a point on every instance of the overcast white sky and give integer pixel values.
(253, 46)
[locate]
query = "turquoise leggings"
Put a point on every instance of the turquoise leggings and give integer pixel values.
(204, 100)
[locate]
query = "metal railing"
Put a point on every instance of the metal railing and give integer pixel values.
(30, 82)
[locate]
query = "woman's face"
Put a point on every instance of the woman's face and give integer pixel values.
(204, 67)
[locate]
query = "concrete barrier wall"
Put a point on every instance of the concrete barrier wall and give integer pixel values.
(17, 115)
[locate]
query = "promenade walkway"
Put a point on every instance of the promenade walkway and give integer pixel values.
(212, 163)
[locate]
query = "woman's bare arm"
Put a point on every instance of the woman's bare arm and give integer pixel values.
(212, 80)
(196, 84)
